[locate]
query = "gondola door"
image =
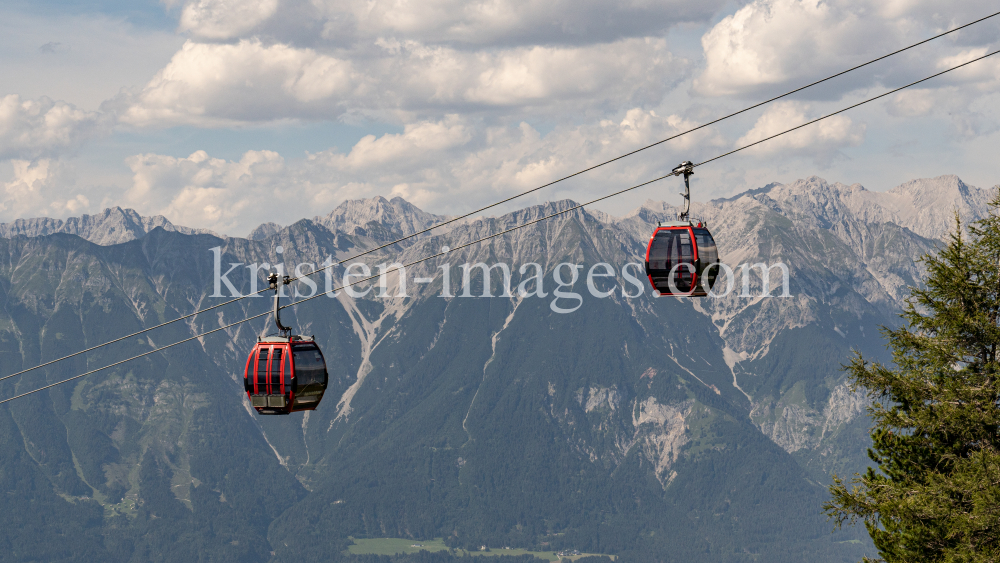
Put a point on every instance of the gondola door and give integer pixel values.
(672, 261)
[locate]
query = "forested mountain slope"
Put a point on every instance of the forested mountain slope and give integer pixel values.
(659, 429)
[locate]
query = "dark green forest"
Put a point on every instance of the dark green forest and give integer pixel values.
(616, 429)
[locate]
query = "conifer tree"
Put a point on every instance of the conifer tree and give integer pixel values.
(935, 493)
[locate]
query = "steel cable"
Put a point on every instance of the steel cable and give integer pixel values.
(509, 199)
(497, 234)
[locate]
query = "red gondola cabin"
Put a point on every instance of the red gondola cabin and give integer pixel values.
(677, 257)
(285, 375)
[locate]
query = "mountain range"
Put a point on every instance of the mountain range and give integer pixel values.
(653, 429)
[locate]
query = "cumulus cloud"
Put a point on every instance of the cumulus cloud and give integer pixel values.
(454, 22)
(418, 143)
(822, 141)
(213, 84)
(913, 103)
(965, 97)
(400, 61)
(463, 78)
(447, 165)
(223, 19)
(775, 44)
(509, 21)
(40, 188)
(984, 74)
(199, 190)
(31, 129)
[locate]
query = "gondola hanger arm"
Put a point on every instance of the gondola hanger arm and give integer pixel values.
(687, 169)
(272, 281)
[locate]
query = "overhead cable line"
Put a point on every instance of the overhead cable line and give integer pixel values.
(797, 127)
(118, 363)
(501, 233)
(126, 337)
(861, 103)
(334, 291)
(509, 199)
(649, 146)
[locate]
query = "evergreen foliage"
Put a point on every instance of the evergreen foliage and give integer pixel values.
(935, 495)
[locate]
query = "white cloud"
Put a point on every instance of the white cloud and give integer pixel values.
(452, 22)
(40, 188)
(913, 103)
(771, 41)
(448, 165)
(463, 80)
(488, 21)
(199, 190)
(224, 19)
(822, 141)
(776, 44)
(965, 97)
(984, 74)
(31, 129)
(418, 143)
(215, 84)
(212, 84)
(532, 21)
(403, 61)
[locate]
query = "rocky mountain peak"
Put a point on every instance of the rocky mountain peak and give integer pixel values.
(670, 401)
(923, 187)
(652, 211)
(114, 225)
(396, 214)
(264, 230)
(926, 206)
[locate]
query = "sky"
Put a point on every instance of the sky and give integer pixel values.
(225, 114)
